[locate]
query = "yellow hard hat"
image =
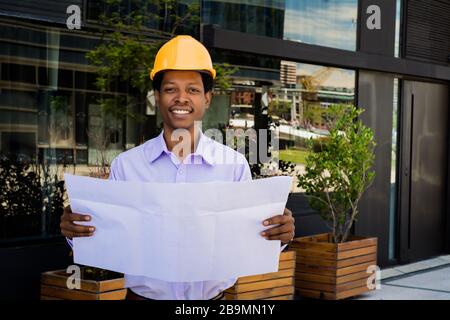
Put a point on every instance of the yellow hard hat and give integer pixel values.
(183, 53)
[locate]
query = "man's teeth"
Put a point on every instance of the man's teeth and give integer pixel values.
(181, 111)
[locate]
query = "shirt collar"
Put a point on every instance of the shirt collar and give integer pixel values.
(204, 148)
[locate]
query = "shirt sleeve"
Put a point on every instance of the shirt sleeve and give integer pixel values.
(243, 172)
(113, 174)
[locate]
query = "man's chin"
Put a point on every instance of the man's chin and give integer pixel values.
(181, 125)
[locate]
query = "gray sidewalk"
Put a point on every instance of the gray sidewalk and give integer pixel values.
(424, 280)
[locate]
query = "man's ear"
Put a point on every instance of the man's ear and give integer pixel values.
(208, 98)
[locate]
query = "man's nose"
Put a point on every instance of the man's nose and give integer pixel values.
(182, 98)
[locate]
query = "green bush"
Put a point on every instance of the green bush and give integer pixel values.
(339, 170)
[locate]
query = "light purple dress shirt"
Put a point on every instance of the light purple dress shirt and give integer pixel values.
(153, 162)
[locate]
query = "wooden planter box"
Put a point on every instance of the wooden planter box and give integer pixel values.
(54, 287)
(269, 286)
(331, 271)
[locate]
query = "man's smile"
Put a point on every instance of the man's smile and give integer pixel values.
(181, 111)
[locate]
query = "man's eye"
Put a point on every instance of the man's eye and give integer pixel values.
(195, 90)
(169, 89)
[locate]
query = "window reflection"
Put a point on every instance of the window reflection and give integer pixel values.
(264, 18)
(299, 105)
(330, 23)
(50, 123)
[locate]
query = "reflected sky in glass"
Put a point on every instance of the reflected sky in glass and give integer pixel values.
(397, 28)
(336, 77)
(330, 23)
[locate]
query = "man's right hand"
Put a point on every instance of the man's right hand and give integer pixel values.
(70, 229)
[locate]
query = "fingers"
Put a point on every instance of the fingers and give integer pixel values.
(70, 216)
(285, 228)
(280, 219)
(283, 237)
(70, 229)
(287, 212)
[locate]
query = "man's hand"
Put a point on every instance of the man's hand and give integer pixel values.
(285, 229)
(70, 229)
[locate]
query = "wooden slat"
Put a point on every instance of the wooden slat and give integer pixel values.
(267, 276)
(54, 278)
(261, 294)
(351, 285)
(49, 298)
(111, 285)
(287, 255)
(331, 287)
(312, 243)
(356, 260)
(356, 252)
(352, 292)
(286, 297)
(239, 288)
(113, 295)
(330, 279)
(326, 287)
(356, 243)
(302, 253)
(354, 269)
(317, 261)
(322, 243)
(58, 278)
(315, 278)
(68, 294)
(304, 293)
(352, 277)
(317, 270)
(289, 264)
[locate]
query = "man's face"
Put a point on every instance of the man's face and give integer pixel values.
(182, 99)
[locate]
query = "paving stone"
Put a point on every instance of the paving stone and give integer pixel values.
(388, 292)
(438, 279)
(389, 273)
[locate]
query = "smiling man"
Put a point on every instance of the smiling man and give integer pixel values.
(182, 78)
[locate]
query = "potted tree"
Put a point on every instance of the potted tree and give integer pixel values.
(337, 173)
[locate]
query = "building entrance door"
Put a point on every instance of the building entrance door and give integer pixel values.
(424, 163)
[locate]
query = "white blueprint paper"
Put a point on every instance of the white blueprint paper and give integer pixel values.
(178, 232)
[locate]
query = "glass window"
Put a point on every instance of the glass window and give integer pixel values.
(398, 21)
(156, 14)
(394, 173)
(299, 105)
(259, 17)
(329, 23)
(294, 107)
(50, 123)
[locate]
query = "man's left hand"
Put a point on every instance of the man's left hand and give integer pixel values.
(284, 229)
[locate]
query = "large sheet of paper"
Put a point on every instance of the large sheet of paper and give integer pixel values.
(178, 232)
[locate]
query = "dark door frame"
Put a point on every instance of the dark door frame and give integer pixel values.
(405, 116)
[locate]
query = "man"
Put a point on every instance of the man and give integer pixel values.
(183, 80)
